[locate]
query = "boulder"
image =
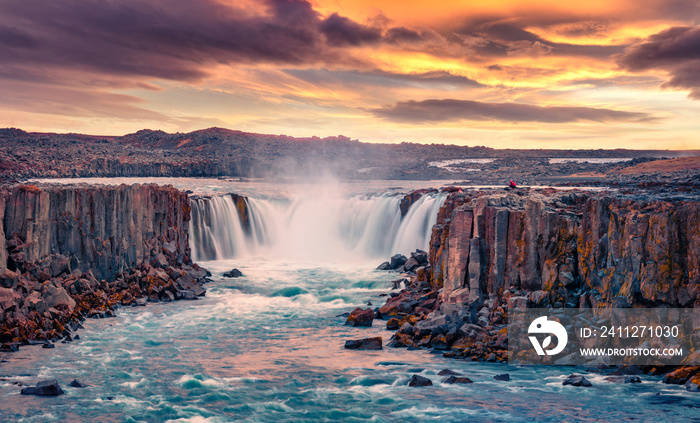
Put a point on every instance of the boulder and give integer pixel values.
(360, 317)
(406, 328)
(7, 298)
(411, 265)
(420, 256)
(681, 375)
(186, 295)
(233, 273)
(44, 388)
(58, 266)
(419, 381)
(8, 278)
(397, 260)
(76, 384)
(160, 261)
(35, 302)
(693, 384)
(448, 372)
(384, 266)
(54, 294)
(364, 344)
(457, 379)
(392, 324)
(505, 377)
(576, 380)
(189, 283)
(9, 347)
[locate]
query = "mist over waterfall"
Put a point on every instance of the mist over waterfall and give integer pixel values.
(317, 225)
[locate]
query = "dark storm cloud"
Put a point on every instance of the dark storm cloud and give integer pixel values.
(676, 50)
(433, 111)
(403, 35)
(170, 39)
(340, 31)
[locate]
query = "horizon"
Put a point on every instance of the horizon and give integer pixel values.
(332, 137)
(498, 74)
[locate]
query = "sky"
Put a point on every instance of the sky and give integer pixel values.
(497, 73)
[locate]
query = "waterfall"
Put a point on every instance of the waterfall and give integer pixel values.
(318, 225)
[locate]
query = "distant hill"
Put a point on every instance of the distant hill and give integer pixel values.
(217, 152)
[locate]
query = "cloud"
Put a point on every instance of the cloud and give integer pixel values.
(170, 39)
(450, 110)
(675, 50)
(340, 31)
(376, 79)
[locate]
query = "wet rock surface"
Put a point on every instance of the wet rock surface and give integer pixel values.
(44, 388)
(361, 317)
(577, 380)
(233, 273)
(419, 381)
(374, 343)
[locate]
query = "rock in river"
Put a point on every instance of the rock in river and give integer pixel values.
(576, 380)
(420, 381)
(45, 388)
(233, 273)
(360, 317)
(364, 344)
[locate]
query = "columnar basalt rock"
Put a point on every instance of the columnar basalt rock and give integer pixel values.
(76, 251)
(103, 229)
(492, 250)
(574, 246)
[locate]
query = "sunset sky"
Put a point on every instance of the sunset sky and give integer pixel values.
(501, 73)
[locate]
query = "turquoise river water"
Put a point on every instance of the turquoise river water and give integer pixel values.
(268, 347)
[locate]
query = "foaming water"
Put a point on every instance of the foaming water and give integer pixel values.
(267, 347)
(320, 225)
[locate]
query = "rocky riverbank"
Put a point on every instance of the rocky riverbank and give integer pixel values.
(491, 252)
(77, 251)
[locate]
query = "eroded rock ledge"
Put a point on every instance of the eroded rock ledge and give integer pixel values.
(76, 251)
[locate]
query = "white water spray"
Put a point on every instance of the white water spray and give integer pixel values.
(319, 225)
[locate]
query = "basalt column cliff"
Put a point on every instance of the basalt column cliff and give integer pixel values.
(490, 252)
(72, 251)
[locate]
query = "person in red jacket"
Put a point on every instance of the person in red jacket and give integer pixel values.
(511, 184)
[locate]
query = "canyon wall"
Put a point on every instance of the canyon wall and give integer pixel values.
(76, 251)
(492, 251)
(567, 249)
(103, 229)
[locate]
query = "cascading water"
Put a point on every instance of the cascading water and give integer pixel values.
(315, 226)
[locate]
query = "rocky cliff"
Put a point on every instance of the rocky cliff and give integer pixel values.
(103, 229)
(569, 249)
(67, 252)
(494, 250)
